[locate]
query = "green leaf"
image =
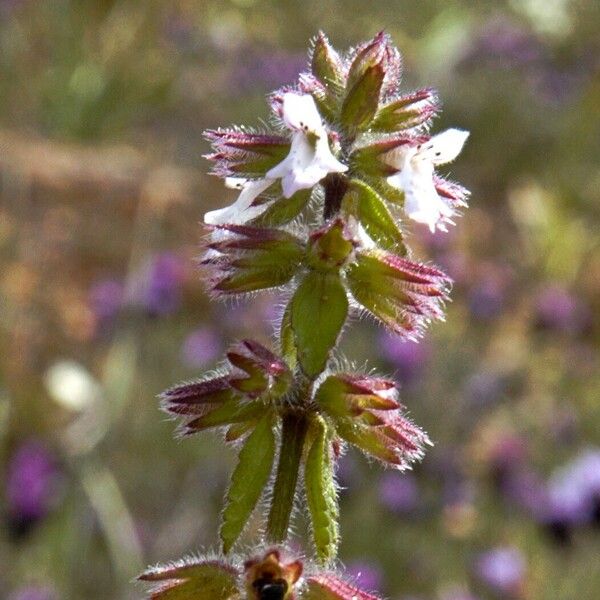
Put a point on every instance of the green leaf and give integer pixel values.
(284, 210)
(250, 476)
(192, 580)
(318, 311)
(237, 430)
(321, 496)
(326, 65)
(232, 411)
(288, 347)
(360, 105)
(369, 440)
(387, 308)
(330, 587)
(376, 218)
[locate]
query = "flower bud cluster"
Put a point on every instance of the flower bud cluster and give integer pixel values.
(270, 575)
(322, 203)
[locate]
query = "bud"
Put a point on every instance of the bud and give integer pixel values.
(327, 79)
(245, 154)
(377, 52)
(263, 368)
(251, 259)
(330, 587)
(369, 157)
(373, 73)
(330, 246)
(387, 436)
(346, 394)
(193, 578)
(406, 112)
(273, 574)
(269, 577)
(326, 64)
(254, 379)
(366, 413)
(400, 293)
(370, 210)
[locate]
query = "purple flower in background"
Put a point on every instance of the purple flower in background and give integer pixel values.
(486, 298)
(456, 265)
(106, 299)
(257, 68)
(557, 309)
(399, 492)
(159, 291)
(31, 485)
(408, 358)
(200, 347)
(483, 389)
(33, 593)
(504, 43)
(525, 488)
(573, 493)
(367, 575)
(501, 569)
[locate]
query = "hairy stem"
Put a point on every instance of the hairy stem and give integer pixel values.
(335, 187)
(292, 443)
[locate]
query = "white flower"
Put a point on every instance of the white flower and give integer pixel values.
(241, 211)
(416, 166)
(310, 158)
(71, 385)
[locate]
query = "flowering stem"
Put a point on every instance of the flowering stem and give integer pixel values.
(335, 187)
(293, 435)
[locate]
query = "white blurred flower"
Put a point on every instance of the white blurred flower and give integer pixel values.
(416, 166)
(241, 211)
(71, 385)
(310, 158)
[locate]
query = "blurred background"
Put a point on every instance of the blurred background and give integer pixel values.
(102, 107)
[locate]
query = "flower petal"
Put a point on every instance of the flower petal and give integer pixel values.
(300, 112)
(241, 211)
(443, 147)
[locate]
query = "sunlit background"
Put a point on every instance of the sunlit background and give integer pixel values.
(103, 185)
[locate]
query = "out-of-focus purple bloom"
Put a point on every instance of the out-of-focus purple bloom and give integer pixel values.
(573, 493)
(501, 569)
(399, 492)
(200, 347)
(367, 575)
(456, 265)
(504, 43)
(408, 358)
(486, 298)
(557, 309)
(159, 291)
(33, 593)
(446, 467)
(31, 485)
(507, 453)
(265, 69)
(483, 389)
(106, 299)
(525, 488)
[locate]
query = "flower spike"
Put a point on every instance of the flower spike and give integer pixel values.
(318, 211)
